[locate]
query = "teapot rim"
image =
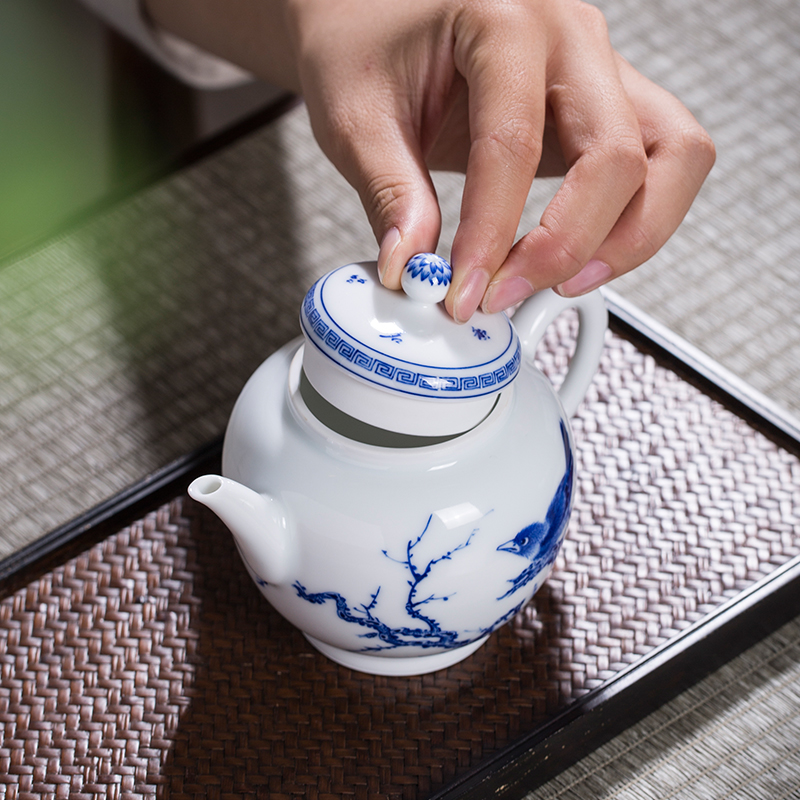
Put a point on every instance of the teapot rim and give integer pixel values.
(485, 428)
(399, 364)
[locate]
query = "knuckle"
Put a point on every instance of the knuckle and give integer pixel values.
(629, 158)
(619, 158)
(698, 146)
(567, 262)
(640, 246)
(564, 256)
(592, 18)
(381, 194)
(515, 143)
(491, 247)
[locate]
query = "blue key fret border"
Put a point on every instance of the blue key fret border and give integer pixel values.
(404, 377)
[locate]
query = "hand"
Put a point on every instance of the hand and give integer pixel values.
(503, 90)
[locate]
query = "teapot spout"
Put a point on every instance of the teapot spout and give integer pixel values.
(257, 522)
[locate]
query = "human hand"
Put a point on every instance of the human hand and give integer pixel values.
(502, 90)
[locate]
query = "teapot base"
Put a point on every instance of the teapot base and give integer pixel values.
(396, 667)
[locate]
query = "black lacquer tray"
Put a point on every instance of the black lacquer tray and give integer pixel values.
(139, 660)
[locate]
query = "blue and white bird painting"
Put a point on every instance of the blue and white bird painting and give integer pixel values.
(423, 609)
(538, 543)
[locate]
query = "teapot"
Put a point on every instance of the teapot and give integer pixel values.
(398, 485)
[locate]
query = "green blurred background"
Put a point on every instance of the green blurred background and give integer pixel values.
(54, 143)
(84, 118)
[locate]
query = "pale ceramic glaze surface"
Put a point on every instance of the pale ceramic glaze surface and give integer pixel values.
(399, 560)
(400, 362)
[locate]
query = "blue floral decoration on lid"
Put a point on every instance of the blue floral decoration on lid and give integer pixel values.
(426, 278)
(361, 327)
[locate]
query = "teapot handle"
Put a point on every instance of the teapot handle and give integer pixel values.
(536, 313)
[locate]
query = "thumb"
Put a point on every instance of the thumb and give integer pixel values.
(385, 165)
(400, 200)
(406, 219)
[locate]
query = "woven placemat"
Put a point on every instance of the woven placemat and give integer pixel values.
(150, 665)
(735, 735)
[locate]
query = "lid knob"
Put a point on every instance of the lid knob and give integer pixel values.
(426, 278)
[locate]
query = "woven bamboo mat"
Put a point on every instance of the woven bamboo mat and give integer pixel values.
(149, 665)
(735, 735)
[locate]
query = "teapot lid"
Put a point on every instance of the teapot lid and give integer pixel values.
(397, 360)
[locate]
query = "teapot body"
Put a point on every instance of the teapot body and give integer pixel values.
(405, 558)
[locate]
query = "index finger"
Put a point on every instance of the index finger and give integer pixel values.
(502, 57)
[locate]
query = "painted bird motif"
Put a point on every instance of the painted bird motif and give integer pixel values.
(538, 542)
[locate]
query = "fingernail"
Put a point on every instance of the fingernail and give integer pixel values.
(592, 276)
(388, 245)
(470, 295)
(507, 293)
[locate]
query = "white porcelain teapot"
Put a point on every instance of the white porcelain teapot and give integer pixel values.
(399, 485)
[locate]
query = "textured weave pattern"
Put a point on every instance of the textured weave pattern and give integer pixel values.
(152, 664)
(123, 345)
(727, 281)
(735, 735)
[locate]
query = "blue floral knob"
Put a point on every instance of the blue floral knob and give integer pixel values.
(426, 278)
